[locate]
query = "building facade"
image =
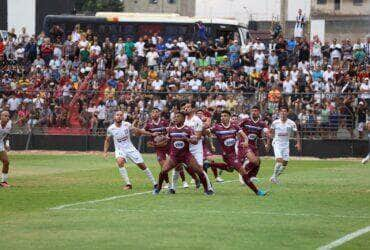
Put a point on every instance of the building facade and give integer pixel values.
(341, 19)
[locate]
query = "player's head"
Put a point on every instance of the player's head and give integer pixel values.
(283, 112)
(155, 114)
(200, 113)
(179, 118)
(234, 118)
(118, 117)
(187, 107)
(225, 116)
(5, 117)
(255, 112)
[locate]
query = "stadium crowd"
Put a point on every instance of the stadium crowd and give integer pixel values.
(325, 84)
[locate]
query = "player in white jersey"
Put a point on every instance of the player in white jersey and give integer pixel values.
(5, 127)
(281, 130)
(124, 149)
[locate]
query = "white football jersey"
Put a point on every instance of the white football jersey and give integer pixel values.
(121, 136)
(283, 131)
(3, 133)
(197, 125)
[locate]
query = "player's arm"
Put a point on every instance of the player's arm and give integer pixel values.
(208, 134)
(140, 131)
(106, 145)
(7, 142)
(267, 137)
(298, 144)
(244, 136)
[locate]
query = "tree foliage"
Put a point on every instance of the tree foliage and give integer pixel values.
(98, 5)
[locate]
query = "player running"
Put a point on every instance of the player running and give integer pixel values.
(180, 137)
(226, 134)
(281, 131)
(5, 127)
(366, 159)
(124, 149)
(255, 128)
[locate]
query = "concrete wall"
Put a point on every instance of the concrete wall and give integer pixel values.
(183, 7)
(21, 13)
(243, 10)
(346, 8)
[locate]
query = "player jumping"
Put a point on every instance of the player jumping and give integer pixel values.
(124, 149)
(5, 127)
(180, 138)
(281, 130)
(226, 134)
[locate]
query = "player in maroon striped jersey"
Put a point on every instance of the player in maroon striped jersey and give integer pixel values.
(254, 127)
(159, 142)
(180, 137)
(226, 134)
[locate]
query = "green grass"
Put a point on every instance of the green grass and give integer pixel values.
(317, 203)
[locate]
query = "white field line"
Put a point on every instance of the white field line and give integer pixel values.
(220, 212)
(345, 239)
(110, 198)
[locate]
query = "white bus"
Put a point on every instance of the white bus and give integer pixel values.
(116, 24)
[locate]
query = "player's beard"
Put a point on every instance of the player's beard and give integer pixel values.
(119, 122)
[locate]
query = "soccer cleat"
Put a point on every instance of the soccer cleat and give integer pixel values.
(127, 187)
(219, 179)
(185, 184)
(171, 191)
(274, 180)
(261, 193)
(166, 186)
(209, 192)
(192, 181)
(4, 184)
(366, 159)
(197, 184)
(156, 191)
(241, 179)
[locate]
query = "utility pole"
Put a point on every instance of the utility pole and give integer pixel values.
(283, 15)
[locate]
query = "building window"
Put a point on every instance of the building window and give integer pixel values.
(171, 1)
(358, 2)
(321, 1)
(153, 1)
(336, 4)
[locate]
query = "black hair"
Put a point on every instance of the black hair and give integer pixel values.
(226, 112)
(284, 107)
(256, 107)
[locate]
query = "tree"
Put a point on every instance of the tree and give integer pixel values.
(98, 5)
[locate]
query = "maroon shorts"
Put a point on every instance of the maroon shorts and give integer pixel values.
(181, 159)
(242, 152)
(231, 160)
(161, 155)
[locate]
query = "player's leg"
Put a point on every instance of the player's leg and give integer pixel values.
(167, 167)
(246, 175)
(121, 160)
(4, 175)
(161, 157)
(198, 169)
(198, 156)
(253, 165)
(281, 161)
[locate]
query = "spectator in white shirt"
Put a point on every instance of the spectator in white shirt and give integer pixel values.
(152, 57)
(328, 74)
(157, 85)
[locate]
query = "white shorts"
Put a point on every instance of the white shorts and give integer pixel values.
(2, 146)
(132, 154)
(361, 126)
(198, 155)
(281, 152)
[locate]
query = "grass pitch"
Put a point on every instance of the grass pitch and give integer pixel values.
(317, 203)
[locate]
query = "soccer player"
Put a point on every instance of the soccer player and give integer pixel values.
(366, 159)
(196, 124)
(5, 127)
(180, 137)
(281, 131)
(226, 134)
(159, 125)
(124, 149)
(208, 156)
(254, 127)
